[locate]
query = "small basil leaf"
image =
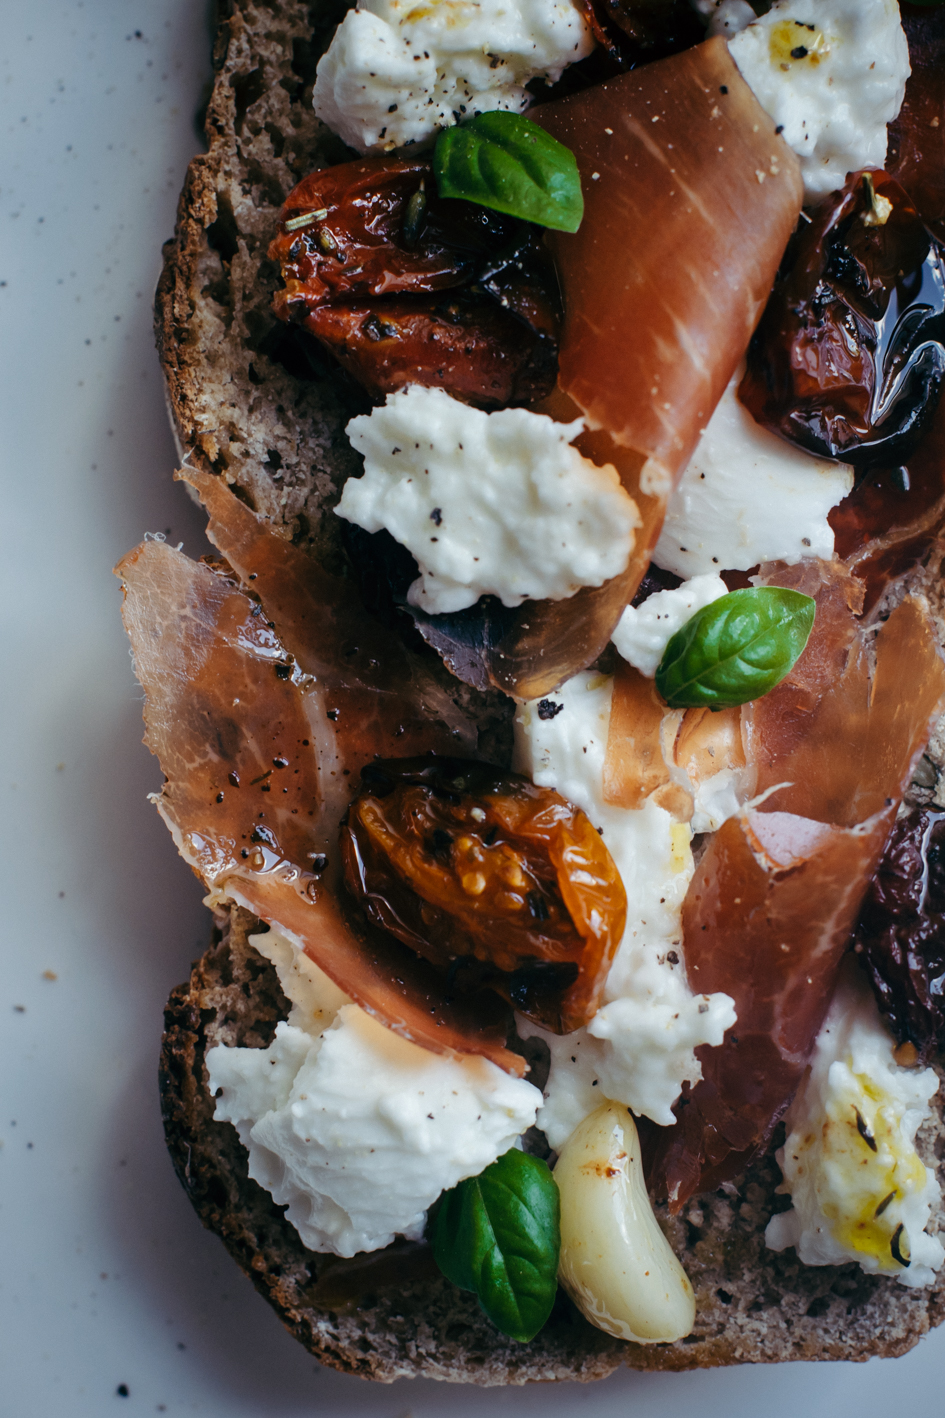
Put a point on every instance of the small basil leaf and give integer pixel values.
(506, 162)
(736, 649)
(498, 1235)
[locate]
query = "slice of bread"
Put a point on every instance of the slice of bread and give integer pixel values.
(253, 403)
(392, 1315)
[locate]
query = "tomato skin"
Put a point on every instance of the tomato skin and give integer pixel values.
(493, 880)
(848, 360)
(404, 287)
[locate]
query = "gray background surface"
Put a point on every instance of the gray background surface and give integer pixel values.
(107, 1277)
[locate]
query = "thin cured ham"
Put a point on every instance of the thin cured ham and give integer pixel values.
(377, 693)
(770, 909)
(690, 198)
(257, 774)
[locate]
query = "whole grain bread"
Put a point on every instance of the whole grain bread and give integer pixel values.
(254, 403)
(392, 1315)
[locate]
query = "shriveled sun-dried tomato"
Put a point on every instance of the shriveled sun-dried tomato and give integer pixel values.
(849, 357)
(494, 880)
(901, 931)
(405, 287)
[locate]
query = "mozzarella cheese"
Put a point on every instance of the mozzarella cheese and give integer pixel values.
(746, 497)
(396, 71)
(859, 1189)
(496, 504)
(638, 1048)
(643, 632)
(831, 74)
(353, 1129)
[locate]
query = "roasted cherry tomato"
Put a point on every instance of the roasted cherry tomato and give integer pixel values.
(901, 931)
(404, 287)
(633, 32)
(492, 879)
(849, 356)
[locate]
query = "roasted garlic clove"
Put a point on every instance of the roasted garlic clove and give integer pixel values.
(616, 1264)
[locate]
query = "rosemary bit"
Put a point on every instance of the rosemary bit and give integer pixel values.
(899, 1245)
(883, 1204)
(305, 219)
(415, 217)
(863, 1129)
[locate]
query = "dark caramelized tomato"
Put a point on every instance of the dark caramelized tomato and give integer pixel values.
(495, 881)
(849, 357)
(404, 287)
(632, 32)
(901, 931)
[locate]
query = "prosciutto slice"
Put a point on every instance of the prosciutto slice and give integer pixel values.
(690, 198)
(259, 737)
(771, 906)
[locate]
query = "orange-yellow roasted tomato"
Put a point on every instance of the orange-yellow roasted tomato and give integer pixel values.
(492, 879)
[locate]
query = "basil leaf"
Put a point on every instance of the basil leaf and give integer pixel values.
(506, 162)
(498, 1235)
(735, 649)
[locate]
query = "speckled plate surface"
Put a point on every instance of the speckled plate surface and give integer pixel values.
(112, 1297)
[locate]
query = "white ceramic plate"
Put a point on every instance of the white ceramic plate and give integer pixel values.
(107, 1281)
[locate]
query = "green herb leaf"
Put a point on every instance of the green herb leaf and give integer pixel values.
(498, 1235)
(506, 162)
(736, 649)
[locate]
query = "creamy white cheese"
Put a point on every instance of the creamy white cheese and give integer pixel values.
(747, 496)
(644, 631)
(395, 71)
(725, 16)
(832, 75)
(495, 503)
(849, 1161)
(352, 1128)
(638, 1048)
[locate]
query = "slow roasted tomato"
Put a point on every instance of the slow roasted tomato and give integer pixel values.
(495, 881)
(849, 357)
(404, 287)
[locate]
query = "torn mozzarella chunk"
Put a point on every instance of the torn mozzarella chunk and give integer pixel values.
(644, 631)
(638, 1049)
(489, 504)
(396, 72)
(352, 1128)
(859, 1189)
(832, 75)
(747, 496)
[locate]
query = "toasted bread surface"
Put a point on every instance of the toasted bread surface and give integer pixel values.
(256, 404)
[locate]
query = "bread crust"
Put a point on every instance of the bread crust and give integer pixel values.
(249, 403)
